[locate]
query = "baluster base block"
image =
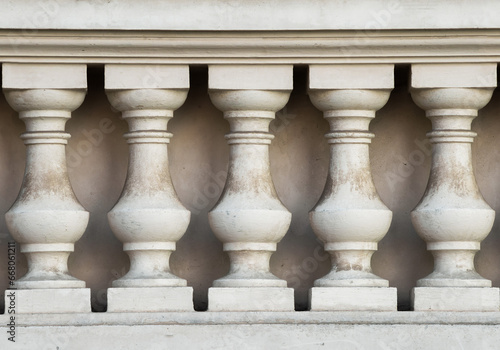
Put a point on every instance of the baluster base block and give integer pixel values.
(455, 299)
(48, 301)
(353, 299)
(251, 299)
(154, 299)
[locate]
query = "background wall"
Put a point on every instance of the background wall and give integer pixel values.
(400, 158)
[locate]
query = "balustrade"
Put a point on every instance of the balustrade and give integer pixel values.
(249, 219)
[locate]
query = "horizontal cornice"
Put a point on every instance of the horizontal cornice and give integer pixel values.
(292, 47)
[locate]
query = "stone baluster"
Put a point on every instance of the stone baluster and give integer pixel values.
(46, 218)
(249, 218)
(350, 218)
(149, 218)
(453, 217)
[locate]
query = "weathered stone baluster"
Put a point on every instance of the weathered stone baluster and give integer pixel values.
(249, 218)
(149, 218)
(46, 218)
(350, 218)
(453, 217)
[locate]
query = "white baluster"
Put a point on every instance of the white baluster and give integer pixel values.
(46, 218)
(453, 217)
(350, 218)
(149, 218)
(249, 218)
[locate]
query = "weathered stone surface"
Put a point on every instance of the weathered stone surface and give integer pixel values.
(279, 15)
(250, 299)
(250, 46)
(153, 299)
(455, 299)
(50, 301)
(353, 298)
(258, 330)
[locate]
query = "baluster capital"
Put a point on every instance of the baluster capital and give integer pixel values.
(250, 96)
(146, 87)
(350, 87)
(451, 94)
(44, 91)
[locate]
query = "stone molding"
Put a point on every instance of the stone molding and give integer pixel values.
(250, 47)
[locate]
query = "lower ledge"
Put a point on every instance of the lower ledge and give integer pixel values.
(254, 330)
(268, 318)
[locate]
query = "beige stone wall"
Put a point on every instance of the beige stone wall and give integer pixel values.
(400, 158)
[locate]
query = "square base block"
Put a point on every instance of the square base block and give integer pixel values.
(150, 299)
(48, 301)
(251, 299)
(353, 299)
(455, 299)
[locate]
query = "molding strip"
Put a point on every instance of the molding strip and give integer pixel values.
(297, 47)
